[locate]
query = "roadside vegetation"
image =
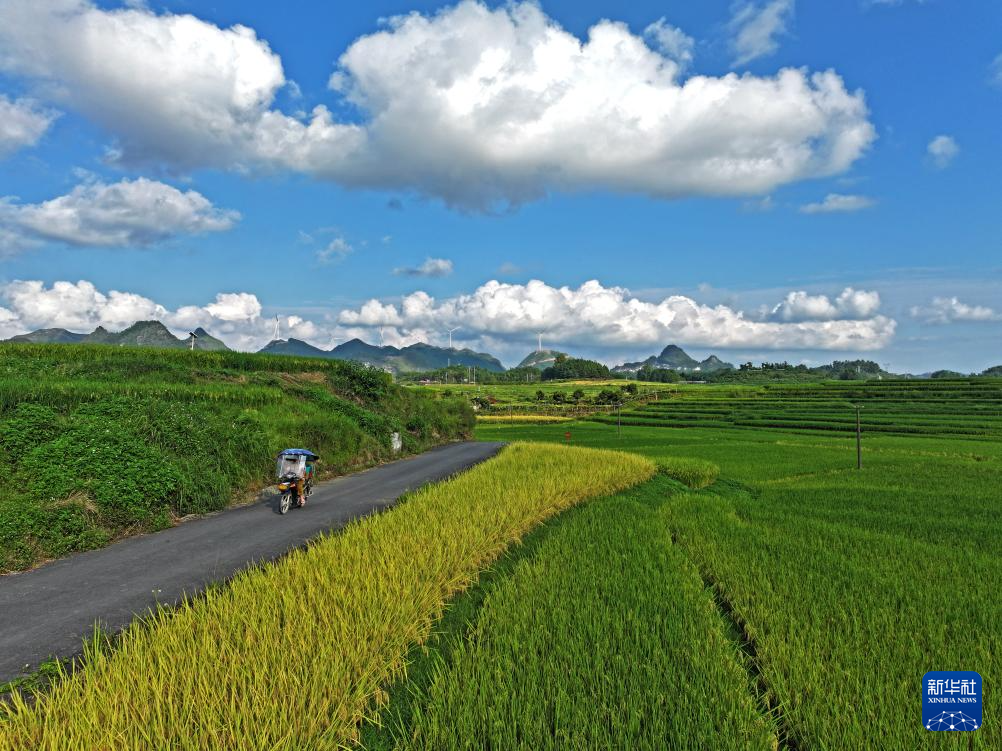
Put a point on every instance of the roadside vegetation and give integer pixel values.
(100, 441)
(296, 654)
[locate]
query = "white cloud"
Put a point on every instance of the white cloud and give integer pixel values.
(942, 150)
(22, 123)
(505, 105)
(493, 317)
(851, 304)
(234, 317)
(756, 27)
(432, 267)
(594, 316)
(836, 202)
(128, 213)
(335, 250)
(943, 310)
(996, 71)
(674, 43)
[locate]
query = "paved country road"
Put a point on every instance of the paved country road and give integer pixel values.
(48, 611)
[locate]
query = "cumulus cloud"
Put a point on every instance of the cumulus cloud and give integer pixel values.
(505, 104)
(234, 317)
(596, 316)
(851, 304)
(943, 310)
(432, 267)
(837, 202)
(22, 123)
(128, 213)
(494, 316)
(756, 28)
(942, 150)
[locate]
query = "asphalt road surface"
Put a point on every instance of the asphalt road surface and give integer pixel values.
(48, 611)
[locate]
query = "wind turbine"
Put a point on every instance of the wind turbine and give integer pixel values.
(539, 347)
(275, 338)
(457, 328)
(381, 336)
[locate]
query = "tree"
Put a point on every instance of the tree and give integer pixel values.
(574, 368)
(607, 396)
(629, 388)
(540, 396)
(559, 397)
(578, 395)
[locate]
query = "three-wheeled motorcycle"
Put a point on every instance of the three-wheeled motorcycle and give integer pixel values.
(296, 469)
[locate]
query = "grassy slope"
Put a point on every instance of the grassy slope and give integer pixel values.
(97, 441)
(598, 633)
(850, 585)
(293, 655)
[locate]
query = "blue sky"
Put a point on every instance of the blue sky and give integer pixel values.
(725, 214)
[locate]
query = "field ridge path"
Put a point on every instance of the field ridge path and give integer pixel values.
(49, 611)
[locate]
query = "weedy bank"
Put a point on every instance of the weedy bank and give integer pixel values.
(296, 654)
(97, 441)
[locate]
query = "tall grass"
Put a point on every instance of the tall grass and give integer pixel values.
(293, 655)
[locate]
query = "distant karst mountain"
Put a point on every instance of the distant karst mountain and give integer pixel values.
(49, 336)
(541, 359)
(296, 347)
(414, 358)
(139, 334)
(675, 358)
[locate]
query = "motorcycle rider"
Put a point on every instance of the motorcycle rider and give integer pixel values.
(296, 469)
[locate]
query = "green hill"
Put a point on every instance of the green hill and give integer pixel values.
(295, 347)
(99, 440)
(541, 359)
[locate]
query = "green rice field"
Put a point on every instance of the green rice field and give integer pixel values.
(833, 589)
(726, 579)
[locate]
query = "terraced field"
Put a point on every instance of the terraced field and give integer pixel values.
(954, 408)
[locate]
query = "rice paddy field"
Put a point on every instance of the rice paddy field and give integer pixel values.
(295, 654)
(712, 573)
(840, 587)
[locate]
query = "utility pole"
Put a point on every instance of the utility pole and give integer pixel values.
(619, 420)
(859, 443)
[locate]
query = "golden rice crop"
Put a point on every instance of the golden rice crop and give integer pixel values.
(293, 655)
